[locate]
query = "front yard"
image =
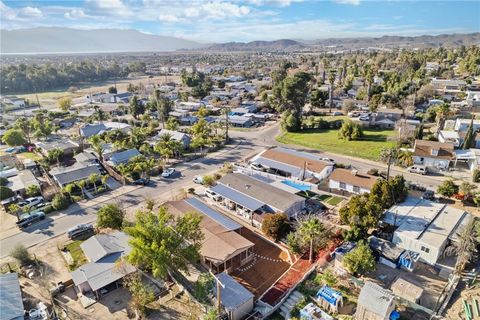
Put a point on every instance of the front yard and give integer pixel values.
(369, 147)
(78, 258)
(328, 199)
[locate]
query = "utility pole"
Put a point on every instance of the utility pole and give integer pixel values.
(227, 111)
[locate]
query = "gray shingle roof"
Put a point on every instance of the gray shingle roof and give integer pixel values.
(74, 173)
(11, 303)
(264, 193)
(103, 251)
(92, 129)
(233, 294)
(123, 156)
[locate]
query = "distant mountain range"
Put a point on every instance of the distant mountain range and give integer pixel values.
(67, 40)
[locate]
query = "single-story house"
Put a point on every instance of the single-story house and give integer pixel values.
(432, 154)
(252, 199)
(235, 299)
(21, 181)
(351, 181)
(407, 290)
(223, 247)
(457, 138)
(473, 97)
(67, 146)
(89, 130)
(102, 252)
(122, 157)
(387, 113)
(448, 85)
(375, 303)
(237, 121)
(188, 106)
(74, 173)
(386, 252)
(177, 136)
(425, 227)
(11, 302)
(292, 163)
(86, 158)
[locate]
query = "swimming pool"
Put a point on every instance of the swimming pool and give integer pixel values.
(297, 186)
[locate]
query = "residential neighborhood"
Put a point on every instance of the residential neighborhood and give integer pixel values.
(239, 180)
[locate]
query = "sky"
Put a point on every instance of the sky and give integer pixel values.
(248, 20)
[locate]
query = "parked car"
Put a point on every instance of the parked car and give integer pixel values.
(167, 173)
(141, 182)
(257, 166)
(198, 180)
(364, 118)
(31, 202)
(212, 195)
(328, 160)
(80, 230)
(428, 195)
(29, 219)
(418, 169)
(43, 205)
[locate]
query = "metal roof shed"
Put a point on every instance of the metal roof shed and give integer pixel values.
(239, 198)
(226, 222)
(11, 303)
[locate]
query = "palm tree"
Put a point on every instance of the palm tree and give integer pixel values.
(442, 112)
(104, 179)
(93, 178)
(98, 146)
(69, 188)
(466, 246)
(312, 231)
(167, 147)
(405, 158)
(331, 80)
(81, 184)
(368, 73)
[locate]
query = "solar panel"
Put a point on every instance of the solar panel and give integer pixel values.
(237, 197)
(228, 223)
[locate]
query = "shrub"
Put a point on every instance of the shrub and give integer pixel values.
(191, 190)
(217, 176)
(21, 254)
(275, 226)
(110, 216)
(6, 193)
(48, 209)
(32, 190)
(208, 181)
(3, 181)
(476, 175)
(448, 188)
(350, 131)
(60, 201)
(360, 260)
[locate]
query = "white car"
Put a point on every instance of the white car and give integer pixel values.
(167, 173)
(257, 166)
(212, 195)
(364, 118)
(328, 160)
(198, 180)
(31, 202)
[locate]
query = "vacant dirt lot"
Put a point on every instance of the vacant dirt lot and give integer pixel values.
(269, 264)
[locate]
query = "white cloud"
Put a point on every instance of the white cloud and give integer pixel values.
(278, 3)
(30, 12)
(108, 7)
(224, 9)
(168, 18)
(192, 12)
(350, 2)
(75, 14)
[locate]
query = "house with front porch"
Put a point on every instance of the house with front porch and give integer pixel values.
(350, 181)
(102, 271)
(252, 199)
(223, 246)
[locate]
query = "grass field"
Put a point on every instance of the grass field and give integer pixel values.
(77, 254)
(331, 200)
(368, 147)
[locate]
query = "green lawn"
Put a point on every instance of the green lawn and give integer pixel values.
(368, 147)
(333, 201)
(77, 254)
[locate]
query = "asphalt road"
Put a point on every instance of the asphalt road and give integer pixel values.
(244, 144)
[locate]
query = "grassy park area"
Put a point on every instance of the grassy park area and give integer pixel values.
(368, 147)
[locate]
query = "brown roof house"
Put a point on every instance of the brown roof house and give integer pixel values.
(432, 154)
(351, 181)
(293, 163)
(223, 247)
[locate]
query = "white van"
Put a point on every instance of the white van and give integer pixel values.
(418, 169)
(212, 195)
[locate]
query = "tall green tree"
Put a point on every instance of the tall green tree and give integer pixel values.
(110, 216)
(161, 243)
(469, 140)
(360, 260)
(14, 137)
(168, 147)
(309, 236)
(26, 126)
(98, 145)
(136, 107)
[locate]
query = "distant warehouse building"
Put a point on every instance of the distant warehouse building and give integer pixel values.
(294, 164)
(253, 199)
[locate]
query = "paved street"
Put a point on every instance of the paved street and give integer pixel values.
(245, 144)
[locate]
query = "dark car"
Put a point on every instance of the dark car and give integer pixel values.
(27, 220)
(141, 182)
(80, 231)
(428, 195)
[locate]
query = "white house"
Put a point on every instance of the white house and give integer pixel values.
(351, 181)
(432, 154)
(425, 227)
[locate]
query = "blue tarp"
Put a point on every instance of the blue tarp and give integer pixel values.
(328, 294)
(297, 186)
(407, 259)
(395, 315)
